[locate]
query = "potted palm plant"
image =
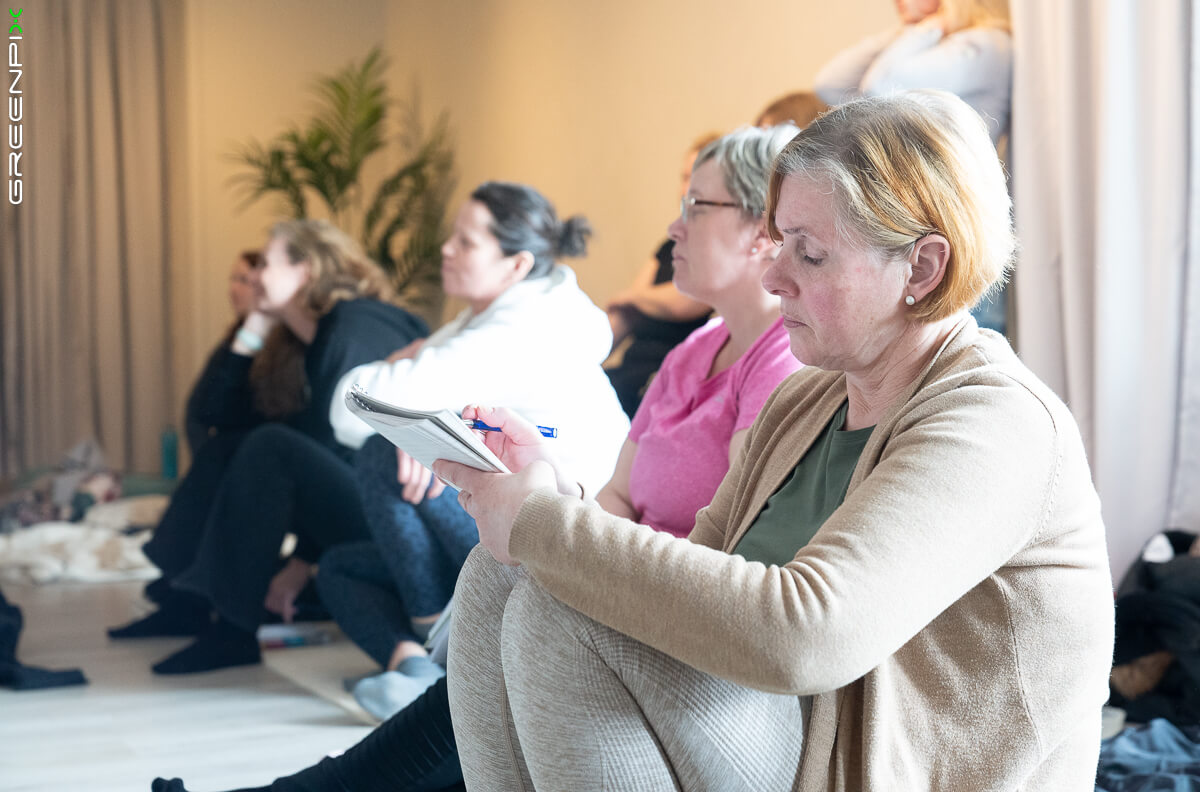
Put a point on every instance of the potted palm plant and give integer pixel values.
(402, 223)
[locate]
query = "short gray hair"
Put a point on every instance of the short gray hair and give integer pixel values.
(745, 157)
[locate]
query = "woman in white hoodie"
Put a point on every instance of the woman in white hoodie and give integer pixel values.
(528, 337)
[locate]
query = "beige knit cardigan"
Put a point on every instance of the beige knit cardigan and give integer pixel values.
(953, 618)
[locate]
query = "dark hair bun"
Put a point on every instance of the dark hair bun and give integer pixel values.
(573, 235)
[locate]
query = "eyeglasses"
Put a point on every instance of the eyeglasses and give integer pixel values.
(687, 202)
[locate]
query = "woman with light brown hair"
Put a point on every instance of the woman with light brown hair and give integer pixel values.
(218, 407)
(799, 107)
(901, 583)
(287, 476)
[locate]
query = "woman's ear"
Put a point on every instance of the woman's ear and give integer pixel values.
(927, 265)
(522, 263)
(762, 242)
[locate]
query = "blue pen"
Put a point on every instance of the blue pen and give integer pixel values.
(547, 431)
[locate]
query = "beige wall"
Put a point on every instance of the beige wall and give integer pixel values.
(248, 67)
(593, 103)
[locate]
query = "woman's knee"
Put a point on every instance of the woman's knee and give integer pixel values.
(483, 577)
(542, 637)
(264, 450)
(342, 562)
(376, 459)
(482, 589)
(269, 437)
(533, 617)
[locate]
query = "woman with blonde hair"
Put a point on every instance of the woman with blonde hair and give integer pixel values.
(901, 583)
(287, 476)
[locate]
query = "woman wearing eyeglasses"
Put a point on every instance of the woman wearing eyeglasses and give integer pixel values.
(722, 373)
(651, 313)
(694, 417)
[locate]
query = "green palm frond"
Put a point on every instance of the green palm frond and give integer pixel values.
(353, 109)
(414, 196)
(268, 171)
(404, 222)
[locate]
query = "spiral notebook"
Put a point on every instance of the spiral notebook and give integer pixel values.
(425, 436)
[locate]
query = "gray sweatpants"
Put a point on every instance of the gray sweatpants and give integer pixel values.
(544, 697)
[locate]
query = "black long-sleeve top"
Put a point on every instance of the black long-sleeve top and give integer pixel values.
(352, 333)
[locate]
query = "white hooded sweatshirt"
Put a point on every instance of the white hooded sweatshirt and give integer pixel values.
(536, 349)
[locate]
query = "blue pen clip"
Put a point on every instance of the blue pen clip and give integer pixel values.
(547, 431)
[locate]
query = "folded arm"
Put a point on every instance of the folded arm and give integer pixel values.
(957, 493)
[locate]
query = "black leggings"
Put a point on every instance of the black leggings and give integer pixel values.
(280, 480)
(173, 546)
(413, 751)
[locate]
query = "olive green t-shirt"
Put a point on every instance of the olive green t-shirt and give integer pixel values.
(804, 502)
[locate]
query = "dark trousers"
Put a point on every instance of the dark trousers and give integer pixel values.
(410, 566)
(177, 537)
(280, 481)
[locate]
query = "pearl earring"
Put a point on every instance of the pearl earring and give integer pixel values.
(754, 249)
(909, 300)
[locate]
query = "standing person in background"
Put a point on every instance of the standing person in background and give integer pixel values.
(652, 312)
(961, 46)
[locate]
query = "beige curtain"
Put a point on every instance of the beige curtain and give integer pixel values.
(1104, 155)
(1185, 491)
(84, 259)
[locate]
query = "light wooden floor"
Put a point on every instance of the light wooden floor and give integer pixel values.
(219, 730)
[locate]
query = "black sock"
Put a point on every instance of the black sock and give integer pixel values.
(158, 589)
(179, 614)
(23, 677)
(222, 645)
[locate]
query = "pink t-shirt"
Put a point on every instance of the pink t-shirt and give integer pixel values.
(686, 420)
